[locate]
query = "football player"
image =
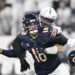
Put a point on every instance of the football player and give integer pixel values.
(37, 41)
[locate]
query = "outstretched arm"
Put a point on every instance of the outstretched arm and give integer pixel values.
(8, 53)
(51, 41)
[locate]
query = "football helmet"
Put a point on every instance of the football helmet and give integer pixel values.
(71, 58)
(30, 24)
(47, 16)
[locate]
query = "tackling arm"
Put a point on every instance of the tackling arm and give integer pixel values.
(8, 53)
(51, 41)
(54, 44)
(17, 47)
(58, 48)
(19, 53)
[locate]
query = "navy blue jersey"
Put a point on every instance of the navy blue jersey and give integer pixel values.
(44, 63)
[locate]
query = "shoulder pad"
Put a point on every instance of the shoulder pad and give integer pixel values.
(23, 33)
(58, 29)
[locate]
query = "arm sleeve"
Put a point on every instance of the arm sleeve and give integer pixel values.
(59, 39)
(8, 53)
(18, 50)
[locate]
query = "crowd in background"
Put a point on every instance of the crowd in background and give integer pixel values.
(12, 11)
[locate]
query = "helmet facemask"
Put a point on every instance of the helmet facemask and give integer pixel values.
(45, 22)
(30, 24)
(33, 28)
(47, 16)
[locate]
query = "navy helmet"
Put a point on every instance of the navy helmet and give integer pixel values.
(28, 19)
(71, 58)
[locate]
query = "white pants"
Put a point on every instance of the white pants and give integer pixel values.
(61, 70)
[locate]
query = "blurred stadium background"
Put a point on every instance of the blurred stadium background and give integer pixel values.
(11, 13)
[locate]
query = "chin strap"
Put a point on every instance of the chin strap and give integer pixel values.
(34, 36)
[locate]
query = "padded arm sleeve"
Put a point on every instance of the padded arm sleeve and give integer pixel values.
(59, 39)
(17, 47)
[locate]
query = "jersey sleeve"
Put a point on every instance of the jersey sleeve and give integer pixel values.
(22, 35)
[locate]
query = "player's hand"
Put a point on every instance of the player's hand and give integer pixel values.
(59, 48)
(53, 34)
(0, 50)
